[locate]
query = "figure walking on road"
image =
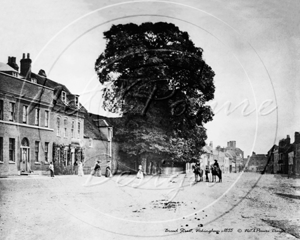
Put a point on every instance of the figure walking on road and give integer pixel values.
(80, 169)
(97, 169)
(198, 172)
(140, 174)
(206, 174)
(51, 168)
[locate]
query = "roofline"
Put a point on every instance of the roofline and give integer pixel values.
(24, 80)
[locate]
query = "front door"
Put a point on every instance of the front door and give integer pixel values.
(25, 164)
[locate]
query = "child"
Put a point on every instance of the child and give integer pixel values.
(140, 174)
(51, 168)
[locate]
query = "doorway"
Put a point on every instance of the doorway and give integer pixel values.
(24, 161)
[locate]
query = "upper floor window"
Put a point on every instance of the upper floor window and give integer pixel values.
(46, 118)
(109, 134)
(79, 125)
(1, 149)
(65, 127)
(12, 112)
(72, 128)
(37, 117)
(33, 80)
(25, 114)
(58, 126)
(1, 109)
(90, 142)
(64, 97)
(76, 101)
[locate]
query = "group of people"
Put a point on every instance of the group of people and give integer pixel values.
(96, 170)
(199, 172)
(78, 165)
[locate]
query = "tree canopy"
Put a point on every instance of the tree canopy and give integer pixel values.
(157, 78)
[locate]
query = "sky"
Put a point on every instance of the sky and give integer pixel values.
(253, 46)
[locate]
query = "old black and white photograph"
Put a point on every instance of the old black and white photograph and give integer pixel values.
(149, 119)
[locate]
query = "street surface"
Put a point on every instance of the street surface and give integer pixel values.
(247, 206)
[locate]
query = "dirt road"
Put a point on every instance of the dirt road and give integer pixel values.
(247, 206)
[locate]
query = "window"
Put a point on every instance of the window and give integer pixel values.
(90, 142)
(1, 109)
(36, 151)
(11, 112)
(76, 101)
(65, 127)
(109, 134)
(58, 126)
(78, 129)
(46, 152)
(12, 149)
(25, 114)
(37, 117)
(33, 80)
(1, 149)
(72, 128)
(66, 157)
(46, 118)
(64, 96)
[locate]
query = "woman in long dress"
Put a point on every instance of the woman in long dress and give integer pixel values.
(80, 169)
(140, 174)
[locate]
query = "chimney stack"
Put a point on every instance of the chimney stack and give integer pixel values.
(288, 139)
(297, 137)
(26, 66)
(12, 63)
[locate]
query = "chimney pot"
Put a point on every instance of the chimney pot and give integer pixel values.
(23, 56)
(28, 55)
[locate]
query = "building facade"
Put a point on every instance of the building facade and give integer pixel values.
(26, 127)
(40, 121)
(257, 162)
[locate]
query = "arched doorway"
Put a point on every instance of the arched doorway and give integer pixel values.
(24, 161)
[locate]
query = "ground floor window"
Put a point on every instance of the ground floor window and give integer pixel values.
(36, 151)
(12, 149)
(46, 152)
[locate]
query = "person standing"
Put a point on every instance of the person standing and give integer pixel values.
(97, 169)
(140, 174)
(51, 168)
(206, 173)
(216, 164)
(197, 171)
(75, 169)
(80, 169)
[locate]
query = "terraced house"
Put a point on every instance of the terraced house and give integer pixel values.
(40, 121)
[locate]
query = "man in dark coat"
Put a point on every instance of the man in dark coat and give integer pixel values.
(216, 164)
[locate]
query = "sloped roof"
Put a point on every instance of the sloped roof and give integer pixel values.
(91, 131)
(219, 153)
(6, 68)
(230, 154)
(207, 149)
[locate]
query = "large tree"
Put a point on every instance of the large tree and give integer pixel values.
(157, 78)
